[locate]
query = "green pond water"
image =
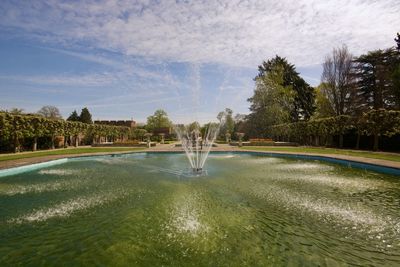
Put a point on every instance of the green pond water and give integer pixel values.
(139, 210)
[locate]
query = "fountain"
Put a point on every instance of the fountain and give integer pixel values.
(197, 145)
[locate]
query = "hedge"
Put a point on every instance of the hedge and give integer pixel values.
(15, 128)
(373, 123)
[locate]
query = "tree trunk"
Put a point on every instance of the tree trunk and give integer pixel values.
(53, 142)
(376, 142)
(317, 140)
(358, 141)
(34, 147)
(16, 144)
(65, 145)
(329, 141)
(76, 141)
(341, 141)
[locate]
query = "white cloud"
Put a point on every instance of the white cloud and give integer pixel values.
(233, 32)
(146, 39)
(86, 80)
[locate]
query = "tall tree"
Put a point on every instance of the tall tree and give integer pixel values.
(398, 41)
(85, 116)
(227, 123)
(74, 116)
(376, 85)
(338, 80)
(50, 112)
(158, 120)
(272, 102)
(396, 74)
(303, 101)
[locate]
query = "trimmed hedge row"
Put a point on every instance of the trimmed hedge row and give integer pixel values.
(15, 128)
(321, 131)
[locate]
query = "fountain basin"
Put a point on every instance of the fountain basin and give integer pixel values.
(250, 208)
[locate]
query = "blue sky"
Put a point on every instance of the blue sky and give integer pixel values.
(125, 59)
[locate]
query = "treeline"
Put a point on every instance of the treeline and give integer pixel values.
(318, 132)
(25, 131)
(357, 95)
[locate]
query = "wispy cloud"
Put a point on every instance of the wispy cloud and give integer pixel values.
(86, 80)
(158, 53)
(233, 32)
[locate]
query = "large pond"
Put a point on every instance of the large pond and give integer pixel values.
(139, 210)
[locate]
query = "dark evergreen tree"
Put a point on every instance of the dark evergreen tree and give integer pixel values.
(398, 41)
(73, 117)
(396, 74)
(85, 116)
(376, 85)
(303, 105)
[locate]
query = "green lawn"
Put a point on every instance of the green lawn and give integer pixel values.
(318, 150)
(66, 151)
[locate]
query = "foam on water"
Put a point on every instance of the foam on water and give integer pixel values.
(11, 190)
(339, 182)
(16, 189)
(260, 160)
(112, 160)
(64, 209)
(61, 172)
(218, 156)
(185, 217)
(306, 166)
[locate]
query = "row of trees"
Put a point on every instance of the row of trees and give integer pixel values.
(14, 129)
(317, 132)
(352, 89)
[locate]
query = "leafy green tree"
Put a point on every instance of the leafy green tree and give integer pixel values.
(381, 122)
(53, 128)
(303, 94)
(227, 124)
(323, 105)
(158, 120)
(74, 116)
(18, 131)
(37, 130)
(193, 126)
(85, 116)
(139, 133)
(206, 127)
(272, 102)
(50, 112)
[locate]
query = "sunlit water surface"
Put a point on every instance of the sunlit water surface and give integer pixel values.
(141, 210)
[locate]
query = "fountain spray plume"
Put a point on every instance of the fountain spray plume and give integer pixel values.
(197, 144)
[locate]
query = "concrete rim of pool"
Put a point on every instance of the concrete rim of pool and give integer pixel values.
(355, 162)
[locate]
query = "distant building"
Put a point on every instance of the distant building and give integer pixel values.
(129, 123)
